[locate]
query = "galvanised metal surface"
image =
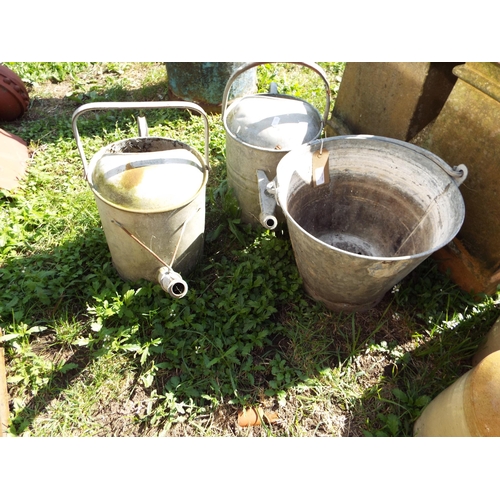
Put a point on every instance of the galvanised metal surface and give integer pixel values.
(387, 206)
(150, 193)
(260, 130)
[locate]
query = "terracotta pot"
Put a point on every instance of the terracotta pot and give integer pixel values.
(14, 98)
(251, 417)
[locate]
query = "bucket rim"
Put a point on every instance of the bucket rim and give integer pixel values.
(105, 149)
(234, 104)
(425, 153)
(459, 173)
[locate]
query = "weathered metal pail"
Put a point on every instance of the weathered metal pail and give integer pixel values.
(260, 130)
(369, 211)
(204, 82)
(150, 193)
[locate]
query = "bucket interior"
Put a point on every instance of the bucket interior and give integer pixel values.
(381, 201)
(363, 216)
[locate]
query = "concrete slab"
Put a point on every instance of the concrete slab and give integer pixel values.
(394, 99)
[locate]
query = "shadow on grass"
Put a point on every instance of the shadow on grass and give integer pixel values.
(58, 382)
(388, 372)
(48, 293)
(423, 352)
(377, 350)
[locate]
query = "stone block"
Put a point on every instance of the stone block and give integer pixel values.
(390, 99)
(468, 131)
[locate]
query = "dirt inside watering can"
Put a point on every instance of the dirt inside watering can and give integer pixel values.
(363, 216)
(145, 145)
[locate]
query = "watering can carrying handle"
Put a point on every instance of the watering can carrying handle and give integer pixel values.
(315, 67)
(135, 105)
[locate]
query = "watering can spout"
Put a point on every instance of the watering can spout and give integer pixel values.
(172, 282)
(267, 201)
(268, 221)
(168, 279)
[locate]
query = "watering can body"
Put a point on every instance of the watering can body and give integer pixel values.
(260, 130)
(150, 193)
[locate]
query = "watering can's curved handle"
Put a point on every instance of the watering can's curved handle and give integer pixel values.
(135, 105)
(244, 67)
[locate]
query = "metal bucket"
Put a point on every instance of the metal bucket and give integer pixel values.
(204, 82)
(260, 130)
(150, 193)
(373, 212)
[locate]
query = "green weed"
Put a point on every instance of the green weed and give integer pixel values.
(90, 354)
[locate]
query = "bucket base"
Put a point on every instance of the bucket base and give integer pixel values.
(349, 243)
(341, 306)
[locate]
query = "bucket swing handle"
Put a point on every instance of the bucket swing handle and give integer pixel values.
(458, 173)
(98, 106)
(311, 65)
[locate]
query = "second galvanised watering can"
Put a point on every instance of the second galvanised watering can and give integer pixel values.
(260, 130)
(150, 193)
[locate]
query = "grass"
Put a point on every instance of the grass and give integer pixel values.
(91, 355)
